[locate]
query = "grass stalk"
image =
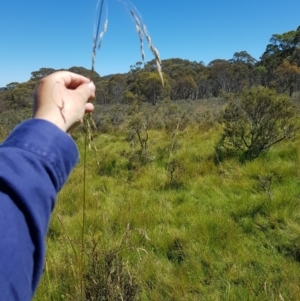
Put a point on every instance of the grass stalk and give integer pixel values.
(88, 137)
(98, 35)
(83, 221)
(88, 121)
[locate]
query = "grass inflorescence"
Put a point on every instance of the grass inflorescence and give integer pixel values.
(88, 120)
(141, 29)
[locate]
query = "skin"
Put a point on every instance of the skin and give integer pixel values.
(62, 98)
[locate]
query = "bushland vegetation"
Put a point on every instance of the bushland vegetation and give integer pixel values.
(255, 122)
(193, 193)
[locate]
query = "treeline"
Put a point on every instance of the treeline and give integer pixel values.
(278, 69)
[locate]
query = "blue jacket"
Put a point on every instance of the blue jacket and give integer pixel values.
(35, 161)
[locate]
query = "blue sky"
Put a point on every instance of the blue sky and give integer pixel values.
(59, 33)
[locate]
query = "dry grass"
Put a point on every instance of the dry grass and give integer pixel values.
(89, 123)
(140, 27)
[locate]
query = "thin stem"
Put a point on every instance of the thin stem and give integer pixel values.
(96, 39)
(83, 219)
(84, 160)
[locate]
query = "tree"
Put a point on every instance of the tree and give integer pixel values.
(242, 74)
(282, 47)
(136, 67)
(85, 72)
(260, 75)
(185, 87)
(221, 76)
(116, 87)
(102, 95)
(22, 95)
(129, 98)
(177, 68)
(257, 121)
(42, 72)
(12, 85)
(202, 84)
(243, 57)
(149, 87)
(241, 77)
(287, 75)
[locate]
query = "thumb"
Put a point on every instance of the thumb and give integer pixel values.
(87, 91)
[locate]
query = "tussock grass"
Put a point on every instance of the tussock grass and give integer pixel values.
(230, 231)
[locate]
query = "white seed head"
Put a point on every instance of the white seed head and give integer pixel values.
(143, 53)
(105, 25)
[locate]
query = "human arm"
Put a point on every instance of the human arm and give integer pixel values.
(35, 161)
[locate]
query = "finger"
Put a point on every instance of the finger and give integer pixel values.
(89, 107)
(87, 91)
(71, 80)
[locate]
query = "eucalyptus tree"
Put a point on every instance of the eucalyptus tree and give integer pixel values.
(285, 46)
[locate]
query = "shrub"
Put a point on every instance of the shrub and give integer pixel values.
(255, 122)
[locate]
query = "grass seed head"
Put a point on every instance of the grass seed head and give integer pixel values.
(140, 28)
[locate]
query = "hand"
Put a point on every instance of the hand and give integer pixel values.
(62, 98)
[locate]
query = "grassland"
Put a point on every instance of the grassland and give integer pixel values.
(172, 223)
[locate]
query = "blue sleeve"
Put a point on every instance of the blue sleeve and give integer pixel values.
(35, 161)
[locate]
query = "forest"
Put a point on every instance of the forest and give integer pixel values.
(192, 189)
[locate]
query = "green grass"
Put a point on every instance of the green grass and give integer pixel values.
(211, 232)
